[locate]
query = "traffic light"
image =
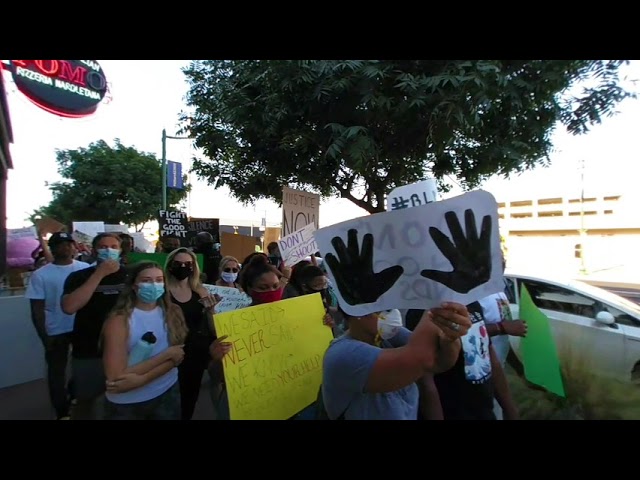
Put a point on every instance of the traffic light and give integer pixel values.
(578, 251)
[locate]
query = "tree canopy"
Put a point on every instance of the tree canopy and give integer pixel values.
(359, 128)
(101, 183)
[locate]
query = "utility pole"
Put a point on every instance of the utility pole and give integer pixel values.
(583, 231)
(164, 164)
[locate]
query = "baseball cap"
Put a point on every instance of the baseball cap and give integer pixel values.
(60, 237)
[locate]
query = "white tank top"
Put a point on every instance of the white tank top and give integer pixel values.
(141, 322)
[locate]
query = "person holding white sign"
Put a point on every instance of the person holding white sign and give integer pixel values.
(366, 377)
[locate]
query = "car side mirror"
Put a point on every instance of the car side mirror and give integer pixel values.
(605, 318)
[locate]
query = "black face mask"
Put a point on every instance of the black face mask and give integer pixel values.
(181, 272)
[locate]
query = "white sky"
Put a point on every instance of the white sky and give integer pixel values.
(148, 95)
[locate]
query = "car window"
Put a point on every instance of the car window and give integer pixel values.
(510, 290)
(621, 317)
(558, 299)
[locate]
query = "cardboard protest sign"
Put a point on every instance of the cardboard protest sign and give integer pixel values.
(197, 225)
(416, 257)
(232, 298)
(299, 209)
(298, 245)
(274, 369)
(173, 224)
(413, 195)
(49, 225)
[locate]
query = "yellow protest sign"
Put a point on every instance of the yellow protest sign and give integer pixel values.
(274, 369)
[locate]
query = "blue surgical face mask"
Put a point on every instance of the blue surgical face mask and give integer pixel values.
(108, 254)
(150, 292)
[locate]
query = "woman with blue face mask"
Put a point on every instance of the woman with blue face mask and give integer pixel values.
(147, 390)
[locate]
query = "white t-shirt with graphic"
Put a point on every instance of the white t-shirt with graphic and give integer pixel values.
(496, 309)
(47, 284)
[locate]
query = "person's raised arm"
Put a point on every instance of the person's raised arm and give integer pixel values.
(77, 296)
(425, 352)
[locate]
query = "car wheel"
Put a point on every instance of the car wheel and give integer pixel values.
(635, 374)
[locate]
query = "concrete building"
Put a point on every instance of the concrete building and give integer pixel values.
(6, 138)
(548, 233)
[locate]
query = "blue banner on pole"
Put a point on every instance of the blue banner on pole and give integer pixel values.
(174, 175)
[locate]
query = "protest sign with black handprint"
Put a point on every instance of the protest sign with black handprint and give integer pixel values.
(353, 270)
(423, 254)
(469, 255)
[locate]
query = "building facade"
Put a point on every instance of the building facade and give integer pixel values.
(6, 138)
(565, 234)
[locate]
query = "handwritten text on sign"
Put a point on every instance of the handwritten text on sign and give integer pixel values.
(274, 369)
(299, 209)
(231, 298)
(298, 246)
(173, 224)
(406, 238)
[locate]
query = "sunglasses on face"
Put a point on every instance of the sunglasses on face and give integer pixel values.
(230, 270)
(182, 264)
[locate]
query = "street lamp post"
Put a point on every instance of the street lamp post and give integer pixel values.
(164, 164)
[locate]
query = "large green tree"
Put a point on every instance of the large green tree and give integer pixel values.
(359, 128)
(110, 184)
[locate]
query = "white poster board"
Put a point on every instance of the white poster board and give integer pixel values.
(413, 195)
(299, 209)
(116, 228)
(232, 298)
(89, 228)
(298, 246)
(416, 257)
(17, 233)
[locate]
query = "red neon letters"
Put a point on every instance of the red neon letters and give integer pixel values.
(63, 70)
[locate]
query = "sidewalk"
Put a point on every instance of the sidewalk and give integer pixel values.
(30, 401)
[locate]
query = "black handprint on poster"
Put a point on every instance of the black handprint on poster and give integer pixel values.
(353, 270)
(425, 255)
(469, 255)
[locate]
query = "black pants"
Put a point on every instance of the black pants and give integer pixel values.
(56, 355)
(190, 371)
(163, 407)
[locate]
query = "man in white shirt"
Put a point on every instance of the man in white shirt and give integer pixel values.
(52, 325)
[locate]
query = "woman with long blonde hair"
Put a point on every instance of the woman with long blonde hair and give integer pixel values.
(146, 390)
(229, 268)
(188, 293)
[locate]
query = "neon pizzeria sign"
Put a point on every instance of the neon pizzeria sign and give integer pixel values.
(69, 88)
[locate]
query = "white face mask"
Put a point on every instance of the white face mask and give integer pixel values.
(229, 277)
(389, 324)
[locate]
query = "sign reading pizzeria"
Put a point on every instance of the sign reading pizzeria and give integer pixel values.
(69, 88)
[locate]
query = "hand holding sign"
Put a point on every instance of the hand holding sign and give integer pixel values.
(470, 257)
(353, 270)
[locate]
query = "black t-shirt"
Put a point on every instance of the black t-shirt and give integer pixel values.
(466, 390)
(90, 318)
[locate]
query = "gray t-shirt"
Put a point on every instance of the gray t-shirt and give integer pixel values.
(346, 367)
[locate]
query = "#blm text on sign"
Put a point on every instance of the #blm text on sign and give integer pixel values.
(299, 209)
(172, 224)
(274, 369)
(413, 195)
(298, 245)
